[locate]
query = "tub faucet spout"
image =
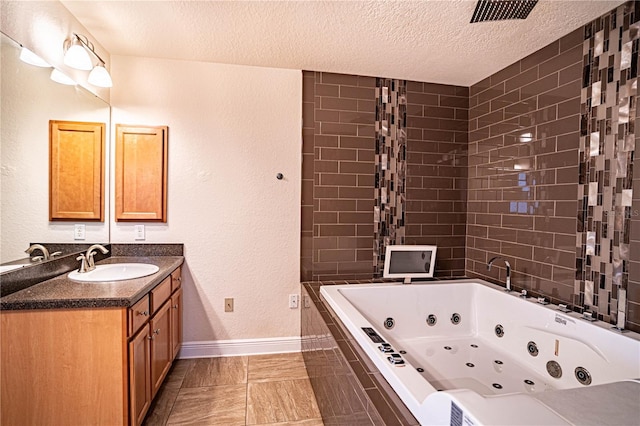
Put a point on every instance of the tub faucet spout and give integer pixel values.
(508, 265)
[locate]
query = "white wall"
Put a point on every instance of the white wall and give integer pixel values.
(231, 130)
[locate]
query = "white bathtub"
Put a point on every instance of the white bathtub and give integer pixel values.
(484, 378)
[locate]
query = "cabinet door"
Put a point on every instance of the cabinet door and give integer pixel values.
(141, 173)
(139, 375)
(161, 350)
(76, 163)
(176, 322)
(176, 279)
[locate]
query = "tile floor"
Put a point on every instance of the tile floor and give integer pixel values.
(243, 390)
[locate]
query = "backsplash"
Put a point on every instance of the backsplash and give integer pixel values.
(534, 163)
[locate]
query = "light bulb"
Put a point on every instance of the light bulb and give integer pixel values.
(100, 77)
(31, 58)
(60, 77)
(77, 56)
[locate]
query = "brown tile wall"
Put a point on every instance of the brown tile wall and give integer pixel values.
(338, 176)
(338, 173)
(524, 134)
(437, 137)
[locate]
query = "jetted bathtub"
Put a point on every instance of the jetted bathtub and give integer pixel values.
(467, 352)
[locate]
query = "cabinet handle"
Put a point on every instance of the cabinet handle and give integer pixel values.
(150, 337)
(156, 331)
(143, 313)
(179, 278)
(175, 306)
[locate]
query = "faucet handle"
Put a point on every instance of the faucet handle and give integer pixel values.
(83, 263)
(92, 262)
(37, 258)
(55, 253)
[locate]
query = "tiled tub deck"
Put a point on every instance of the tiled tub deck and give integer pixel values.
(348, 387)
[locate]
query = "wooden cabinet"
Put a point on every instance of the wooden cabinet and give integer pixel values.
(76, 170)
(156, 344)
(161, 349)
(139, 375)
(176, 322)
(64, 366)
(176, 311)
(91, 365)
(141, 173)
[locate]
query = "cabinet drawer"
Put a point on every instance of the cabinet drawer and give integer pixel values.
(160, 294)
(138, 315)
(176, 279)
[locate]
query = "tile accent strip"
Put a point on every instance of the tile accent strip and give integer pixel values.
(390, 166)
(607, 144)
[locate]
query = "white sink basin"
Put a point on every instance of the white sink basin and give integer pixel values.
(115, 272)
(7, 268)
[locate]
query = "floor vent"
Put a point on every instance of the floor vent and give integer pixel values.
(499, 10)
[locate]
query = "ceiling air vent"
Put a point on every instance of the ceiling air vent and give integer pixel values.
(499, 10)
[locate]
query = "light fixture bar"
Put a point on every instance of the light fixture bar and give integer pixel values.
(89, 46)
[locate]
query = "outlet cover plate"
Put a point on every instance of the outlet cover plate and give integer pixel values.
(228, 304)
(139, 229)
(293, 301)
(79, 232)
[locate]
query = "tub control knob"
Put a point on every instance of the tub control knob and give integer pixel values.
(395, 359)
(385, 347)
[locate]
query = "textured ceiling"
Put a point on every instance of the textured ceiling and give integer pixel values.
(415, 40)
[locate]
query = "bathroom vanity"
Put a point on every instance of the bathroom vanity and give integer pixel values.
(90, 353)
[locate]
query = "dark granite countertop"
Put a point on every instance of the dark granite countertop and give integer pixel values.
(62, 293)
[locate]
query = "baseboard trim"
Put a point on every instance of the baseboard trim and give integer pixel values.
(220, 348)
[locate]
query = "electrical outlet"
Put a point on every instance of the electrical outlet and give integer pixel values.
(293, 301)
(228, 304)
(139, 230)
(79, 232)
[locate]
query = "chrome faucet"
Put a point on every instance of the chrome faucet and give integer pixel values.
(87, 263)
(506, 262)
(43, 249)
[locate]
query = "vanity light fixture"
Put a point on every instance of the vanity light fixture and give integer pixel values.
(31, 58)
(60, 77)
(78, 51)
(99, 76)
(76, 56)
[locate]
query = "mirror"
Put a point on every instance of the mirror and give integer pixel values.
(29, 100)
